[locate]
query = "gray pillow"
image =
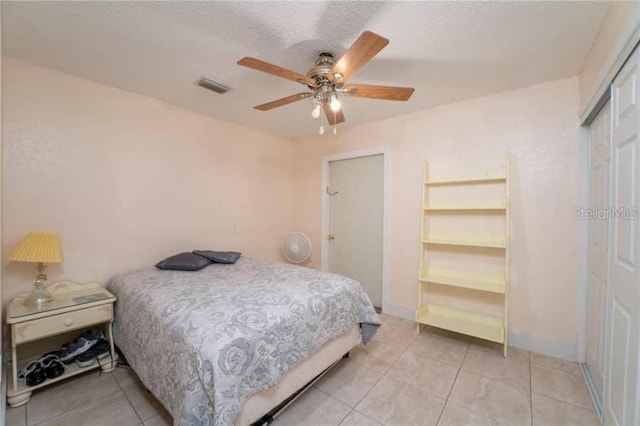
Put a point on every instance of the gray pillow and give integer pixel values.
(219, 256)
(184, 262)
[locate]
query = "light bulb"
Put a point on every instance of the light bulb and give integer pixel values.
(321, 131)
(316, 111)
(335, 103)
(335, 131)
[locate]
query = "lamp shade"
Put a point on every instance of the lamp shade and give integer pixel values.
(40, 247)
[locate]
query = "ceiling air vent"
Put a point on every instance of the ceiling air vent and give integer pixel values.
(212, 85)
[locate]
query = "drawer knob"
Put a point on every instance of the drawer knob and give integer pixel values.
(68, 322)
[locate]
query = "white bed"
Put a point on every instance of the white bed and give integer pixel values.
(226, 344)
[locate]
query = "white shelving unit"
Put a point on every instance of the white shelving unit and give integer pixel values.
(481, 325)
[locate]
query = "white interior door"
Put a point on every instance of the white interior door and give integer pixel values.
(356, 221)
(622, 398)
(598, 246)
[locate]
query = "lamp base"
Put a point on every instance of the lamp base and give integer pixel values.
(38, 297)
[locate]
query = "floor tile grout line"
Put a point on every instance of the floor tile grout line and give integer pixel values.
(537, 364)
(564, 402)
(62, 415)
(502, 380)
(62, 384)
(446, 401)
(384, 373)
(352, 409)
(439, 360)
(345, 417)
(547, 367)
(337, 400)
(118, 381)
(459, 368)
(555, 370)
(444, 407)
(130, 403)
(48, 419)
(530, 389)
(142, 421)
(363, 414)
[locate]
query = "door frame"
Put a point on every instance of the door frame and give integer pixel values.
(584, 230)
(324, 246)
(584, 241)
(628, 39)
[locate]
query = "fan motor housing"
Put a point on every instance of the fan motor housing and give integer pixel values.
(324, 62)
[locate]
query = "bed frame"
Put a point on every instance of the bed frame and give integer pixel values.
(262, 407)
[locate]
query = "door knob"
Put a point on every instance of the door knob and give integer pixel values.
(331, 237)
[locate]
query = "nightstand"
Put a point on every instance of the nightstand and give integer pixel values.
(76, 307)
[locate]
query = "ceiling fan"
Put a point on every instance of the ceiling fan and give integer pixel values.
(328, 78)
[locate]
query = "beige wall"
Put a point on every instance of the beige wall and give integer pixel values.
(127, 180)
(620, 21)
(538, 125)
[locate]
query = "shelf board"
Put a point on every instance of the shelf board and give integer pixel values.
(490, 283)
(70, 370)
(484, 326)
(500, 204)
(499, 176)
(491, 241)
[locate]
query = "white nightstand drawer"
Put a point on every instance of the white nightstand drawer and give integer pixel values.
(56, 324)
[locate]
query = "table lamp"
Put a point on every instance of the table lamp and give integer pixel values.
(40, 248)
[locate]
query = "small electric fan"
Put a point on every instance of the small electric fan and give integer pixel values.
(296, 247)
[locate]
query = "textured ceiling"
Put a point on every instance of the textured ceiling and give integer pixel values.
(448, 51)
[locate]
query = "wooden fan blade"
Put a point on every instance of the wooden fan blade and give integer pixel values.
(283, 101)
(263, 66)
(389, 93)
(333, 117)
(361, 51)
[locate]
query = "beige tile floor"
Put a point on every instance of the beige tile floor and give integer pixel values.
(435, 378)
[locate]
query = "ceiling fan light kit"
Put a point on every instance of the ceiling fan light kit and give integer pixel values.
(334, 103)
(316, 111)
(328, 78)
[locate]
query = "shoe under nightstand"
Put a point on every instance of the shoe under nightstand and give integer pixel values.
(76, 307)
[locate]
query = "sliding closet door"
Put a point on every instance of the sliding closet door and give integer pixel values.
(623, 329)
(598, 246)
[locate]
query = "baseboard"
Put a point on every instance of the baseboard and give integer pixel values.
(399, 311)
(597, 402)
(539, 345)
(526, 342)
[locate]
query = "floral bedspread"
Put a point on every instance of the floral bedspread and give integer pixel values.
(203, 342)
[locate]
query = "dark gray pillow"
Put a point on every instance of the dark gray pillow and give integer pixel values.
(219, 256)
(184, 262)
